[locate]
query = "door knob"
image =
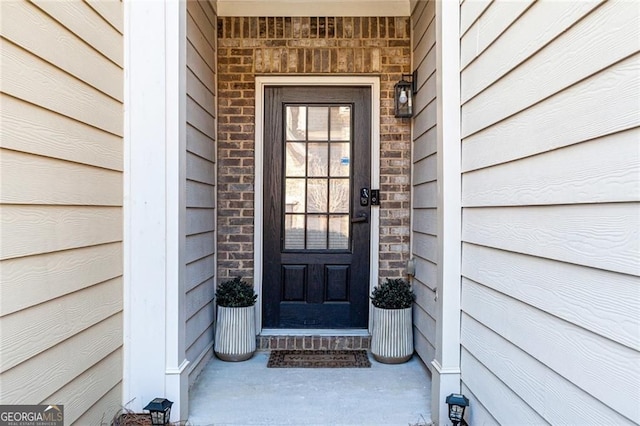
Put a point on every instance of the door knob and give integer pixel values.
(361, 218)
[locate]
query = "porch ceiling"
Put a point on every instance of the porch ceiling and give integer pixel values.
(312, 7)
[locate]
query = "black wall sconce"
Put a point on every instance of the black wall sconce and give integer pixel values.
(403, 95)
(457, 404)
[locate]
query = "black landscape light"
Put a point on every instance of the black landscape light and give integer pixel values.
(160, 411)
(457, 404)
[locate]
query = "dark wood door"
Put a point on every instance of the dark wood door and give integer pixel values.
(317, 143)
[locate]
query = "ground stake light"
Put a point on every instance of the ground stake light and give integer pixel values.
(457, 404)
(160, 411)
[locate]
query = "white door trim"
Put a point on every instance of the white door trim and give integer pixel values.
(261, 83)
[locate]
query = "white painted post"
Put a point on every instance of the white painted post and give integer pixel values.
(446, 365)
(154, 214)
(176, 373)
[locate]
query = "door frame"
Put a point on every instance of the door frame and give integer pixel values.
(362, 81)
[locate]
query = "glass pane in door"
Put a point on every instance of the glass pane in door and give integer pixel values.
(317, 177)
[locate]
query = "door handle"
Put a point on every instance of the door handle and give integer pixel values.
(361, 218)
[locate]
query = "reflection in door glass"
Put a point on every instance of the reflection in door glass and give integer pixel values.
(318, 124)
(318, 159)
(296, 159)
(295, 200)
(296, 123)
(317, 177)
(339, 196)
(339, 232)
(317, 195)
(341, 123)
(294, 231)
(316, 232)
(340, 159)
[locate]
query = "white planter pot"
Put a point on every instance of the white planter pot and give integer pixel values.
(392, 336)
(235, 338)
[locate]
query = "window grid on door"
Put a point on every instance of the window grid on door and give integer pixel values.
(317, 184)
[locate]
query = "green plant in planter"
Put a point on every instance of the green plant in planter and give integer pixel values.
(393, 294)
(391, 335)
(235, 334)
(235, 293)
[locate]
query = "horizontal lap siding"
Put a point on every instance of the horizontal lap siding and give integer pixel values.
(551, 213)
(424, 180)
(61, 162)
(201, 182)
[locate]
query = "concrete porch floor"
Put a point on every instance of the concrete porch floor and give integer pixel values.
(249, 393)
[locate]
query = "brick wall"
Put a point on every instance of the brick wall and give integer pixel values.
(351, 45)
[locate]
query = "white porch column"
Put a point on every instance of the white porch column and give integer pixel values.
(154, 220)
(446, 365)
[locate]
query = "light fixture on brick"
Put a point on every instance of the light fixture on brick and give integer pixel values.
(404, 91)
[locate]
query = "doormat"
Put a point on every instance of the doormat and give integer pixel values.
(319, 359)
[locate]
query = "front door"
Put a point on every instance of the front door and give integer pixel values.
(317, 143)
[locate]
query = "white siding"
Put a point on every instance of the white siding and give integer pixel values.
(201, 182)
(424, 179)
(61, 168)
(551, 213)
